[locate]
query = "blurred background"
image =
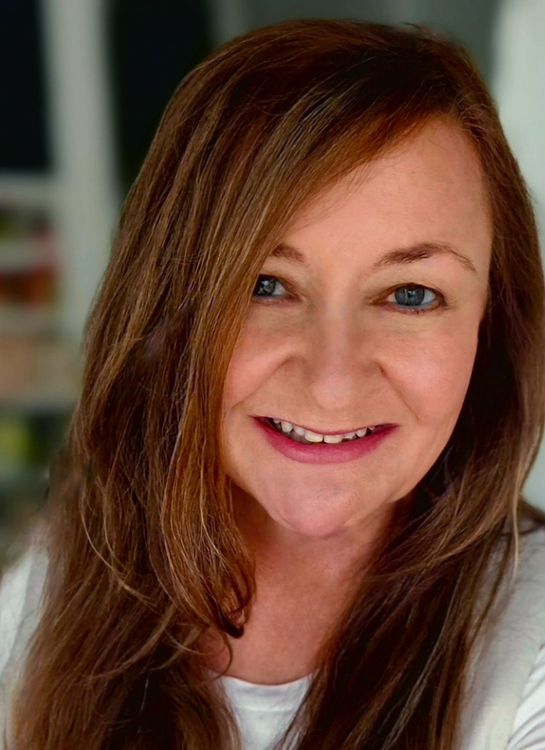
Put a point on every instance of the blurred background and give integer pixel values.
(83, 86)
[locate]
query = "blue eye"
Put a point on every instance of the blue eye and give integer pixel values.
(266, 284)
(412, 297)
(408, 298)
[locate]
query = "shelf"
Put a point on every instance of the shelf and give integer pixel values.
(44, 374)
(28, 190)
(17, 256)
(16, 320)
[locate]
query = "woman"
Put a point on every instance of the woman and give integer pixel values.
(329, 242)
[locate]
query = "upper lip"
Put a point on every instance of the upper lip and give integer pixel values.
(326, 432)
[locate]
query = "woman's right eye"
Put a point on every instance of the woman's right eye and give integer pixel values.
(264, 287)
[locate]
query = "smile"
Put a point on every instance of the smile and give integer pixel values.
(303, 435)
(320, 448)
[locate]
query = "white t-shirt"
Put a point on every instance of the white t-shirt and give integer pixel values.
(505, 703)
(264, 711)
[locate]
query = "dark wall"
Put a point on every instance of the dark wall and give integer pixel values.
(152, 46)
(24, 141)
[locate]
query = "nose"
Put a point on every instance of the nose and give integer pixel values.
(340, 364)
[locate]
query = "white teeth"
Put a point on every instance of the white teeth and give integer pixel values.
(316, 437)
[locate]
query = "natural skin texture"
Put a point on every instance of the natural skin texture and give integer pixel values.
(344, 353)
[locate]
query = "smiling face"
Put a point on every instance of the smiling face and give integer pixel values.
(334, 341)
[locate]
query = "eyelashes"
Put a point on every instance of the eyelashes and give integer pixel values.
(406, 295)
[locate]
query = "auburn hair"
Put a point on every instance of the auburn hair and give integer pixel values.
(144, 554)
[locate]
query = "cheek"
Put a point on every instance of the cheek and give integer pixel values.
(249, 365)
(261, 346)
(434, 381)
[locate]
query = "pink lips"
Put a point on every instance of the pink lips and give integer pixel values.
(323, 453)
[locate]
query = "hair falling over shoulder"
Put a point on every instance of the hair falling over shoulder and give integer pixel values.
(144, 554)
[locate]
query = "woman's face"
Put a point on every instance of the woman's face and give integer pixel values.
(334, 341)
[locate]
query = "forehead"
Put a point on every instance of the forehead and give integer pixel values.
(429, 186)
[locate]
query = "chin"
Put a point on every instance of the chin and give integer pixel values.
(313, 523)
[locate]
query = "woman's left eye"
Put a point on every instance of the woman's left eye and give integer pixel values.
(266, 284)
(409, 298)
(415, 298)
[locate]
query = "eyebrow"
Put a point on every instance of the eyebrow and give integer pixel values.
(398, 256)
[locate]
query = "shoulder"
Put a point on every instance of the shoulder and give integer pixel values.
(505, 686)
(521, 603)
(21, 588)
(528, 731)
(12, 596)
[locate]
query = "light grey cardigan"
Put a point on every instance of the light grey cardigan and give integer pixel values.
(500, 669)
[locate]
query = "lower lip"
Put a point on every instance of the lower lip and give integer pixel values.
(324, 453)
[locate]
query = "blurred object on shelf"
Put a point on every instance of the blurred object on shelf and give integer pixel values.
(15, 444)
(29, 268)
(29, 189)
(39, 372)
(29, 440)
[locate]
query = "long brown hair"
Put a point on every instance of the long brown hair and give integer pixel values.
(144, 552)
